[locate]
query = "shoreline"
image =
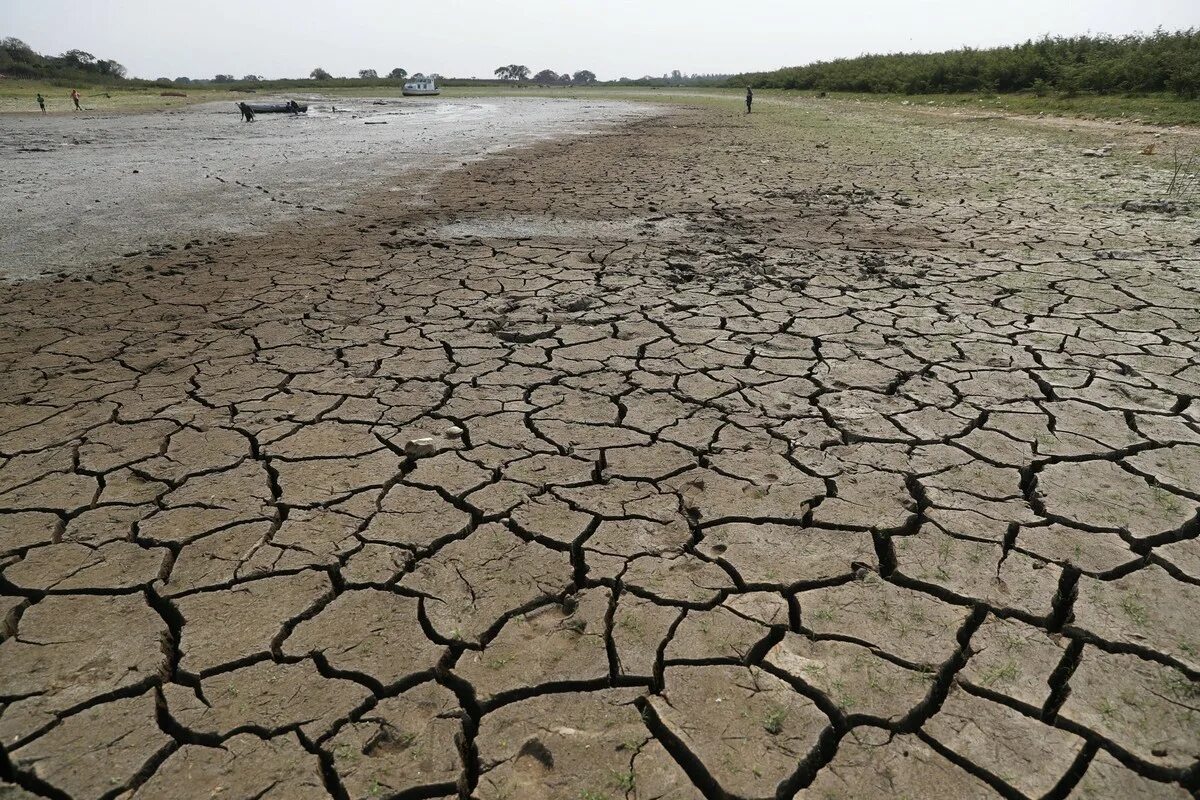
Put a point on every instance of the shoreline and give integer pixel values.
(151, 183)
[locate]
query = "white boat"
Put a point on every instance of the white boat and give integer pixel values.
(420, 86)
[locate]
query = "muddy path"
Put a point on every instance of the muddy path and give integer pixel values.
(713, 456)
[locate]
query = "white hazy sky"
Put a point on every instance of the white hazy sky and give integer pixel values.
(613, 38)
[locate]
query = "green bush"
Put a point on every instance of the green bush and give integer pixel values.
(1157, 62)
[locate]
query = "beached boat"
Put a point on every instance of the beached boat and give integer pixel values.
(277, 108)
(421, 87)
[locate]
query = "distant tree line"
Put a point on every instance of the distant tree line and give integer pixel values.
(520, 72)
(677, 78)
(1158, 62)
(18, 60)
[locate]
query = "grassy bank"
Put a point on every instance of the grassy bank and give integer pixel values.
(1156, 109)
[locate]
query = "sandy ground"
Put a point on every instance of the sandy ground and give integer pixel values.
(823, 453)
(79, 190)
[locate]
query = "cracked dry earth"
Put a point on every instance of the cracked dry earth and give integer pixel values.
(806, 455)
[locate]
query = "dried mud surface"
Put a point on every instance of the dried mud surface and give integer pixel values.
(817, 457)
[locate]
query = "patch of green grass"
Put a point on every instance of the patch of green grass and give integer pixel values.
(623, 780)
(1134, 610)
(1005, 673)
(1155, 109)
(773, 721)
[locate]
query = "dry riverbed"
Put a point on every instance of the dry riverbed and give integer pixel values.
(80, 190)
(829, 452)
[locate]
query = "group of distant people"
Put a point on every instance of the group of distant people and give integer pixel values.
(41, 101)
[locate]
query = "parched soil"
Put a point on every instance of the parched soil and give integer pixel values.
(830, 452)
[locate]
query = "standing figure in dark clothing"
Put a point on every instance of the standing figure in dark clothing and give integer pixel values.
(247, 112)
(293, 107)
(41, 102)
(749, 98)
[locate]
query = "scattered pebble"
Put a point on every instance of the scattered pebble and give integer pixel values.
(419, 448)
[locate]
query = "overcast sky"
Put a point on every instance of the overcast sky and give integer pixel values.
(614, 38)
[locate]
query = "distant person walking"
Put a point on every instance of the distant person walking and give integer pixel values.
(41, 102)
(75, 97)
(749, 98)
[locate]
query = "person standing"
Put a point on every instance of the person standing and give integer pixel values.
(75, 98)
(41, 102)
(749, 98)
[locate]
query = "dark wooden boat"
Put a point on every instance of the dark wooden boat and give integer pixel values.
(276, 108)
